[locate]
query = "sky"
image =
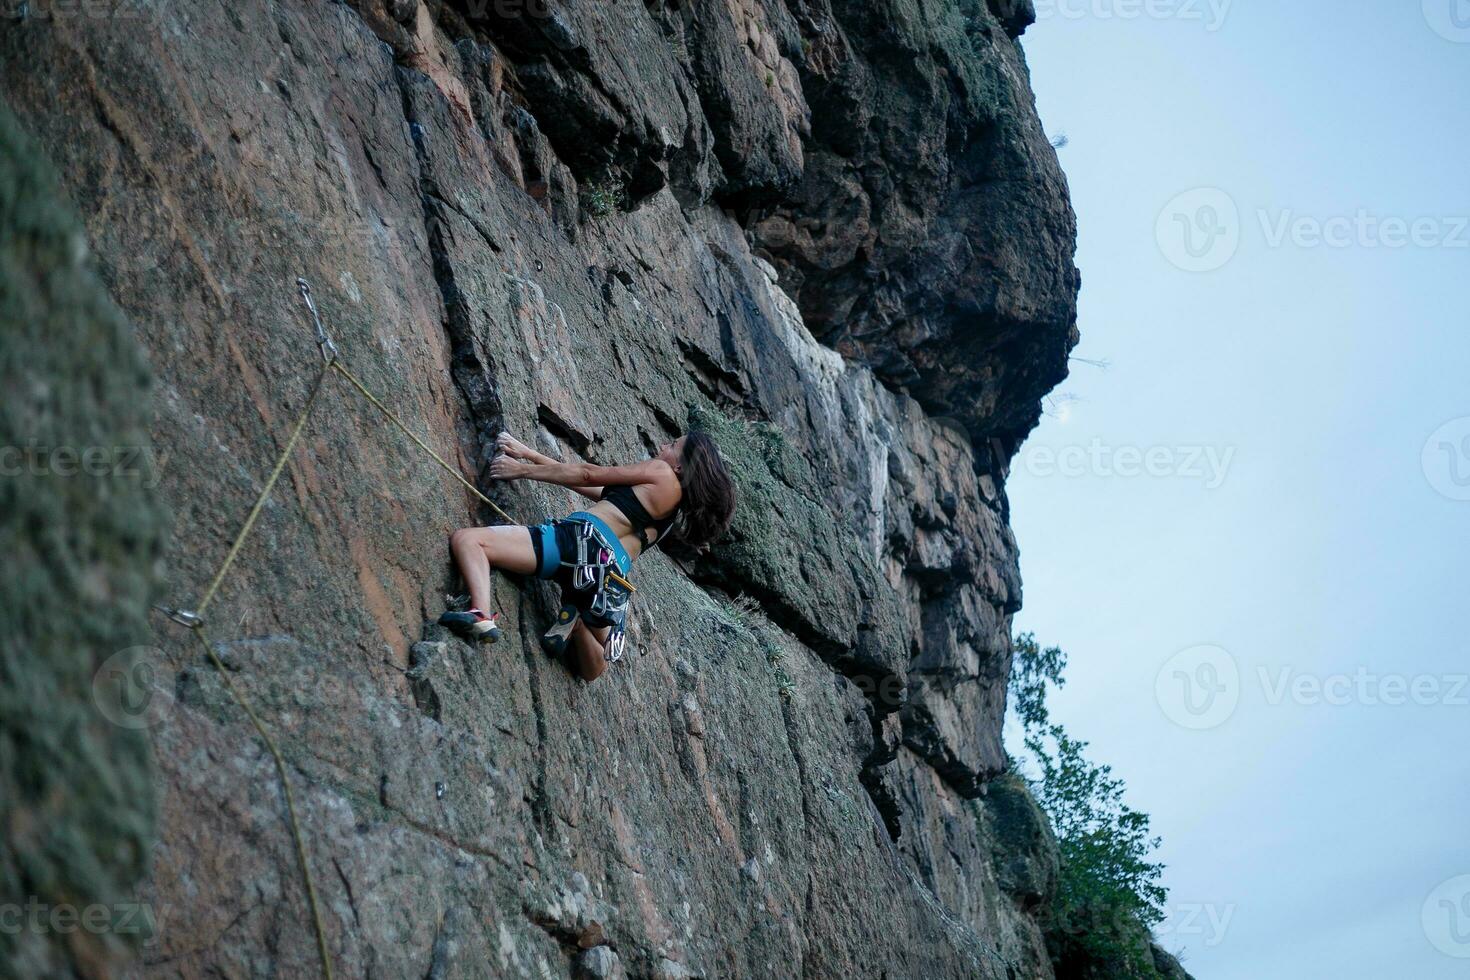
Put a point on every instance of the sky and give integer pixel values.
(1249, 524)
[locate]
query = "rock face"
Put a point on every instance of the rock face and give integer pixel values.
(815, 227)
(79, 530)
(931, 234)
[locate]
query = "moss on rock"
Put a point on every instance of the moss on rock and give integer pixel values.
(79, 530)
(786, 546)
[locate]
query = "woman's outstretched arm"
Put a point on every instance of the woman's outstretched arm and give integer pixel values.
(654, 471)
(510, 446)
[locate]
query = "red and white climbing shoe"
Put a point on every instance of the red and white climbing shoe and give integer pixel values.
(473, 625)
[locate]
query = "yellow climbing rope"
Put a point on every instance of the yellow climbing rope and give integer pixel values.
(265, 492)
(194, 619)
(388, 412)
(270, 743)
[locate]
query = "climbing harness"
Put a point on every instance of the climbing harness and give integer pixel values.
(596, 570)
(194, 619)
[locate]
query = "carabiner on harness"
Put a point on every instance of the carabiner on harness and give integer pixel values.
(595, 570)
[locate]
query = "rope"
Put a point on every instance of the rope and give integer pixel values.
(193, 620)
(270, 743)
(265, 492)
(337, 366)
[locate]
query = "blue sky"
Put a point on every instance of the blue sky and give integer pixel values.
(1251, 530)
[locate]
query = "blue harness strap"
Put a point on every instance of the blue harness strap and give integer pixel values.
(550, 551)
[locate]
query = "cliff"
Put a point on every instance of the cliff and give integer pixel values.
(831, 231)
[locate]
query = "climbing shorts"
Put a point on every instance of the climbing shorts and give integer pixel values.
(555, 545)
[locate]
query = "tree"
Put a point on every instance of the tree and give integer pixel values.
(1108, 894)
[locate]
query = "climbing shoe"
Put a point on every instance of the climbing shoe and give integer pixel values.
(473, 625)
(555, 640)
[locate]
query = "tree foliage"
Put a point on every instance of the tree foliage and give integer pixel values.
(1032, 668)
(1108, 893)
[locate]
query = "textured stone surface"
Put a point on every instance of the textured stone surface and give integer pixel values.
(557, 219)
(931, 234)
(79, 531)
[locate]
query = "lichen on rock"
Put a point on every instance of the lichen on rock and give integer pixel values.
(79, 530)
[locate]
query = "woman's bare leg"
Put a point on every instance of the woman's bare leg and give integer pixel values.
(479, 549)
(588, 644)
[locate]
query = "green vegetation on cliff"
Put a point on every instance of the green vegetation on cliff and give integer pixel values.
(1108, 895)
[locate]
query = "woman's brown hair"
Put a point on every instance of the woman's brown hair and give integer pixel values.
(709, 493)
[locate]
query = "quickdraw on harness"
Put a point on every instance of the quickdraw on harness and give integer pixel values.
(595, 570)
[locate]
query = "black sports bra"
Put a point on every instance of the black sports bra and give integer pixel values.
(625, 500)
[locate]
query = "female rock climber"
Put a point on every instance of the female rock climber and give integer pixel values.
(637, 505)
